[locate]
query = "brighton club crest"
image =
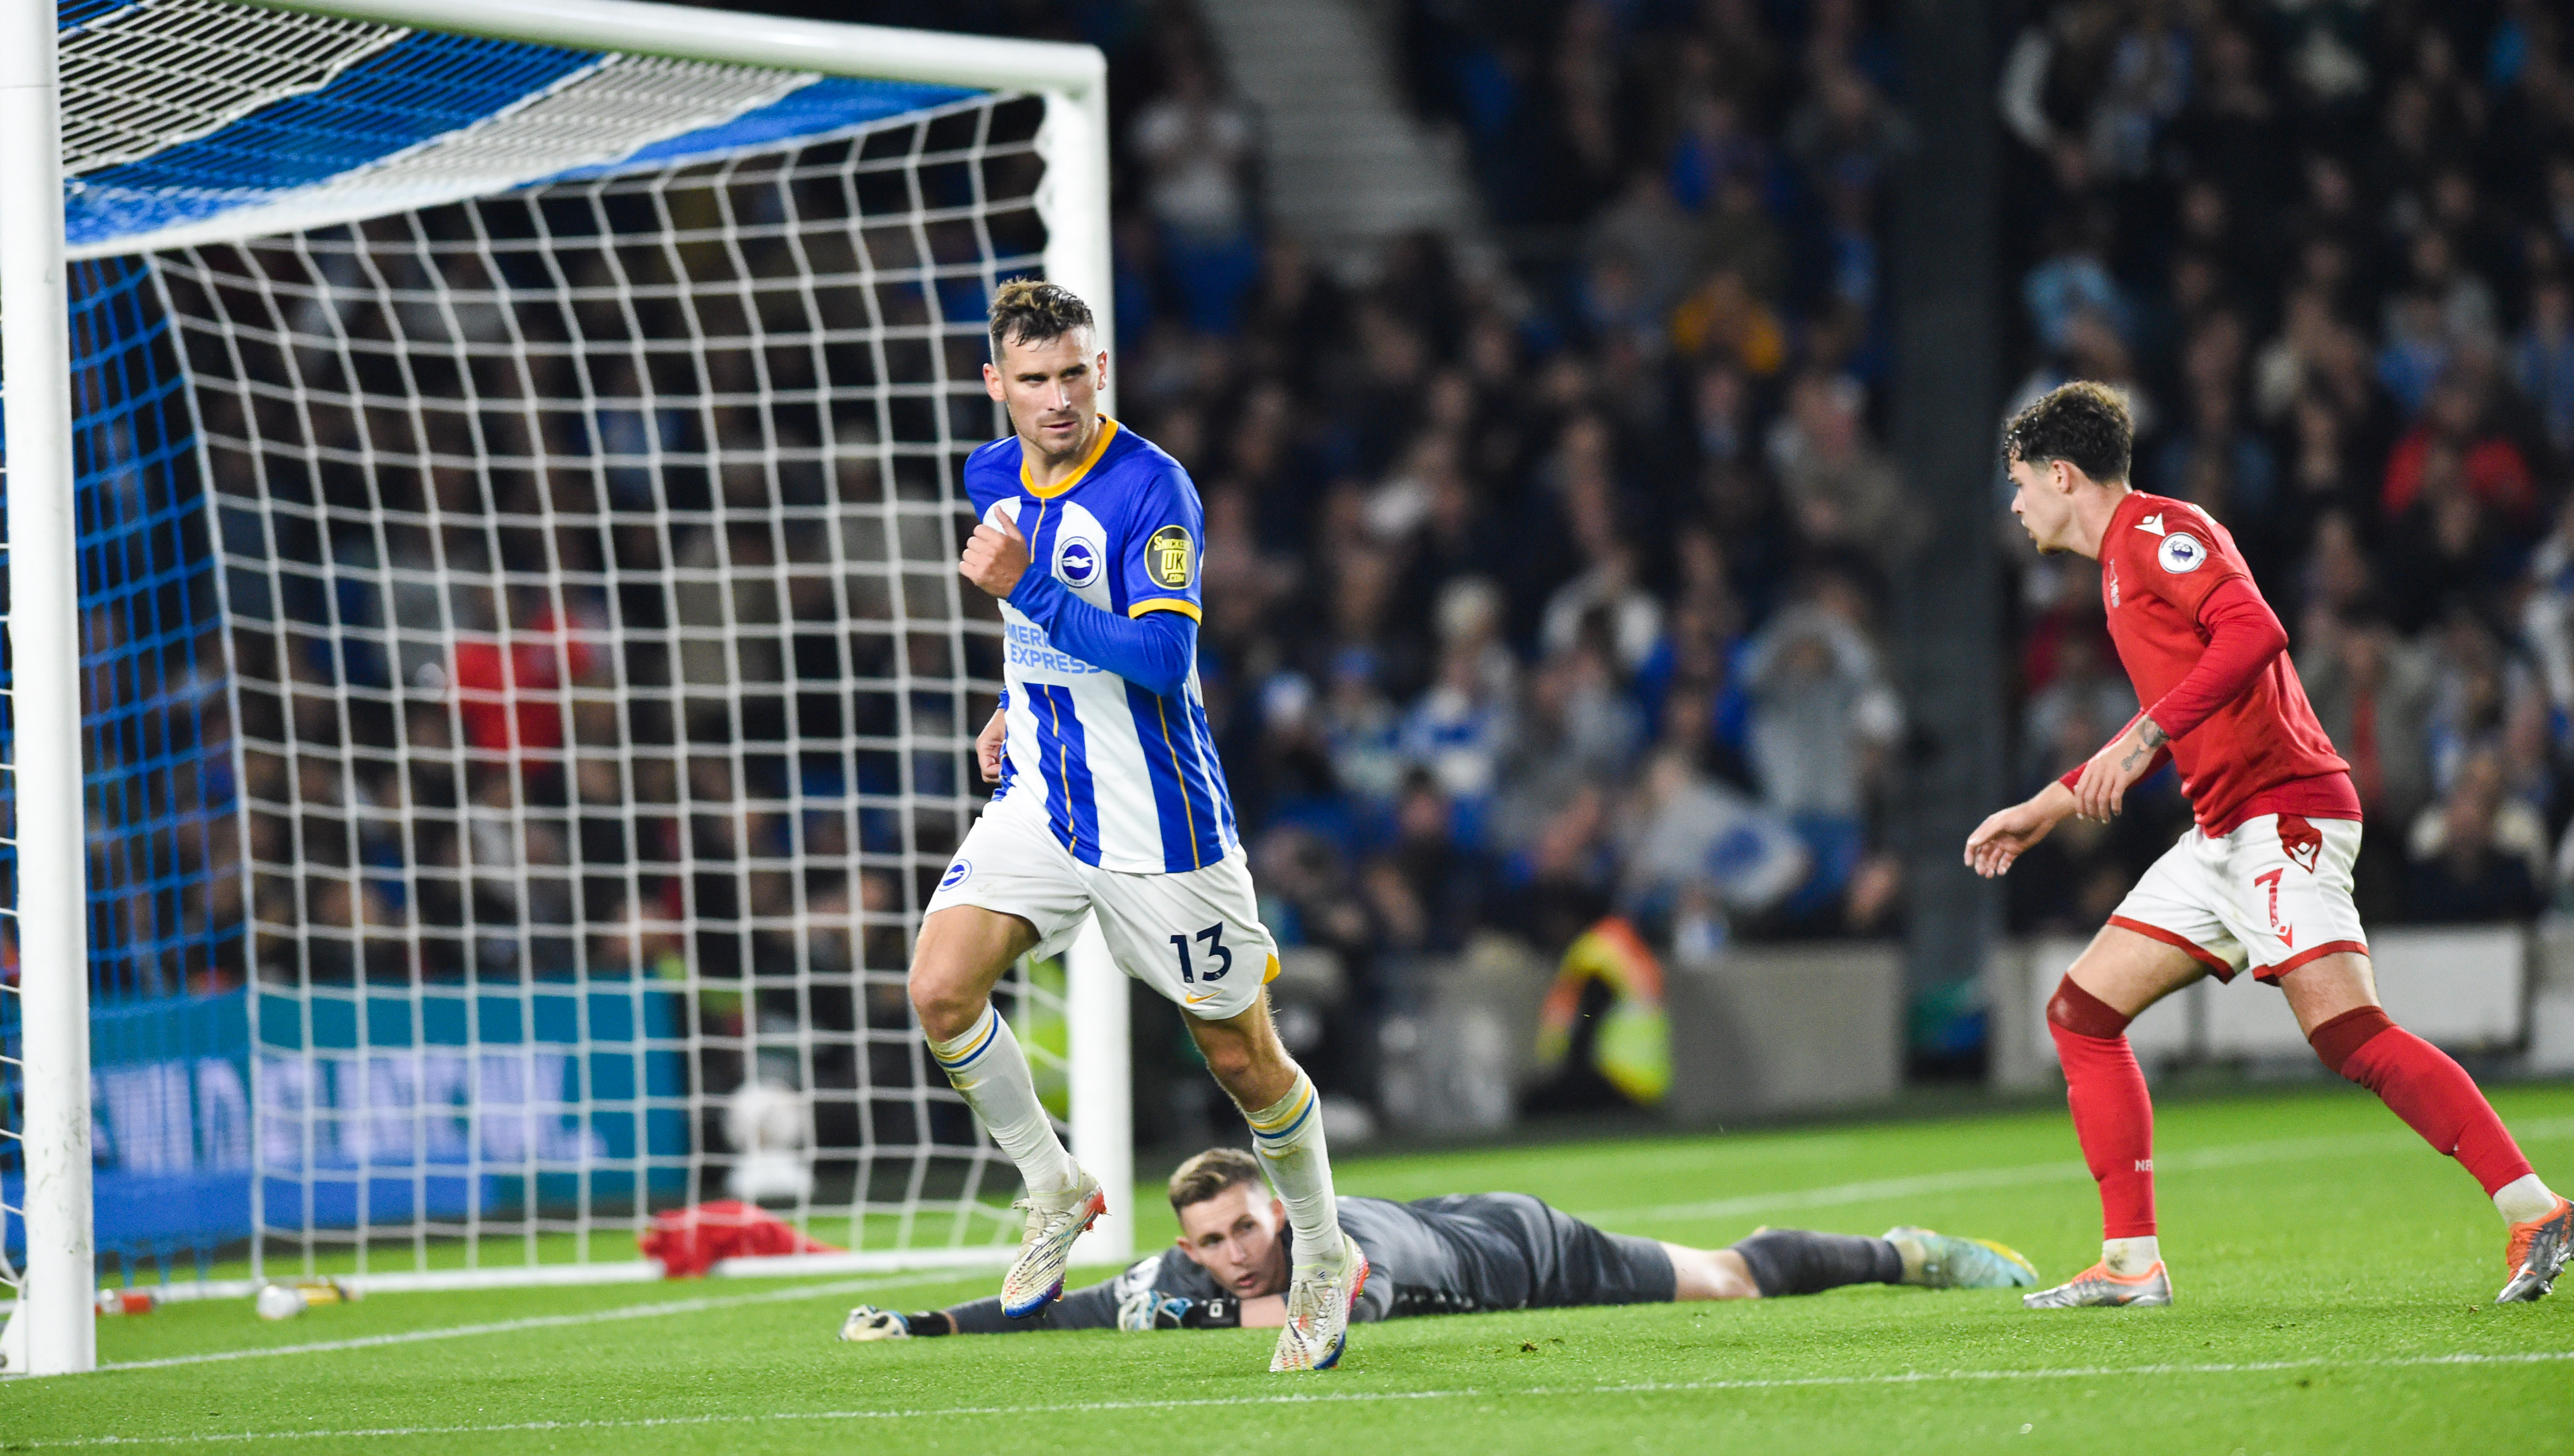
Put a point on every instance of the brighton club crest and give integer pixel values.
(1077, 563)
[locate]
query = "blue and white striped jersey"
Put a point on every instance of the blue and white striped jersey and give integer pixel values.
(1127, 780)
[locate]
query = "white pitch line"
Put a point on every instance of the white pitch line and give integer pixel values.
(544, 1321)
(1909, 1377)
(1878, 1190)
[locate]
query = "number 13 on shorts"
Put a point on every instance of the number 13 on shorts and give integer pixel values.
(1218, 957)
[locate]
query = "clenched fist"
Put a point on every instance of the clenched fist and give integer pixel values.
(995, 557)
(990, 743)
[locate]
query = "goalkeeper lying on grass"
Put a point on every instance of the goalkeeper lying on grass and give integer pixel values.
(1458, 1254)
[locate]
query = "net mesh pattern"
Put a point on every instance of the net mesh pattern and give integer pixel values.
(527, 693)
(594, 118)
(164, 917)
(161, 72)
(605, 693)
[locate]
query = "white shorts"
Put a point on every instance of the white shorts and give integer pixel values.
(1195, 935)
(2274, 895)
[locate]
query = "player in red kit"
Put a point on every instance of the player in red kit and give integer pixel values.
(2262, 879)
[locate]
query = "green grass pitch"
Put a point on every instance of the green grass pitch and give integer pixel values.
(2334, 1280)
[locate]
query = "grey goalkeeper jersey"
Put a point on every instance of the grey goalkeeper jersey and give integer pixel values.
(1456, 1255)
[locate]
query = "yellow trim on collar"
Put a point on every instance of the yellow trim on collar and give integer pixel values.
(1180, 605)
(1098, 448)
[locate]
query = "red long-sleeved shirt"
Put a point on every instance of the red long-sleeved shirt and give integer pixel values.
(2208, 654)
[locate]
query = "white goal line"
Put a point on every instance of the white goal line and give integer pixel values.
(2461, 1358)
(541, 1322)
(622, 1271)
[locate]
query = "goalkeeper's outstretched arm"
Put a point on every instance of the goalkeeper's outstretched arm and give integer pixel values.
(1094, 1309)
(1098, 1307)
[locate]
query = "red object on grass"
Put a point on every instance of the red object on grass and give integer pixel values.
(688, 1240)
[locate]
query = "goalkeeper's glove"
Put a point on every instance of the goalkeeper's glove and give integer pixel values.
(868, 1323)
(1151, 1309)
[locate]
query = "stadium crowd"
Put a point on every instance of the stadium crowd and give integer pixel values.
(1549, 585)
(2325, 249)
(1558, 588)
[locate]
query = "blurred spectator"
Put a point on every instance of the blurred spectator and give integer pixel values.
(1647, 234)
(1822, 719)
(1845, 127)
(2469, 702)
(2416, 352)
(2073, 282)
(2472, 853)
(1575, 733)
(2373, 691)
(2489, 465)
(1703, 854)
(1723, 322)
(1195, 148)
(1429, 889)
(2086, 700)
(1360, 730)
(1461, 727)
(1845, 493)
(2543, 361)
(1606, 594)
(1737, 234)
(2547, 618)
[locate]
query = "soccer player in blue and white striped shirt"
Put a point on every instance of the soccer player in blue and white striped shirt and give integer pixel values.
(1112, 801)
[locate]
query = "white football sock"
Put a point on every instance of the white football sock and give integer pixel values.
(2131, 1255)
(2523, 1198)
(1289, 1133)
(988, 1070)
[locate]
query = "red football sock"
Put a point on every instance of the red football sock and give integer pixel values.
(2112, 1115)
(2421, 1084)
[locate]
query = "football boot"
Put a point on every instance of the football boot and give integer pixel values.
(1319, 1300)
(2536, 1252)
(1036, 1279)
(2100, 1287)
(1948, 1262)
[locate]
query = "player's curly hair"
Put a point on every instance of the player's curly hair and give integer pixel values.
(2084, 424)
(1210, 1173)
(1033, 311)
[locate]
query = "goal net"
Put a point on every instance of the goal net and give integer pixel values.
(527, 691)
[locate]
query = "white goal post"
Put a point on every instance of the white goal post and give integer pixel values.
(271, 325)
(52, 1333)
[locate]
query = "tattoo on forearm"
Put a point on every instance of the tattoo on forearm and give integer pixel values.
(2148, 738)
